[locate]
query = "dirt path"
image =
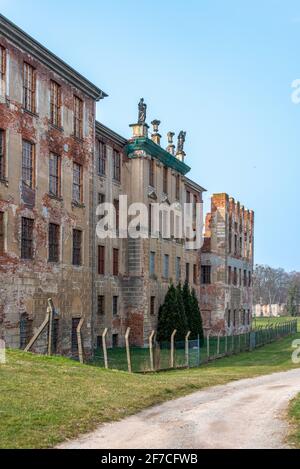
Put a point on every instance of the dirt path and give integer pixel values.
(242, 414)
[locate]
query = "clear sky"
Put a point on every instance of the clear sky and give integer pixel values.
(221, 70)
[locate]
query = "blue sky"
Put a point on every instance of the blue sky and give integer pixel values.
(221, 70)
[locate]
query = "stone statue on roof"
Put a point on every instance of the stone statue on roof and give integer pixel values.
(142, 111)
(181, 141)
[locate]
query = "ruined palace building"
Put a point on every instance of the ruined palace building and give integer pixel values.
(57, 164)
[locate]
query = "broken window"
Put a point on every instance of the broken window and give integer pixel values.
(55, 104)
(54, 175)
(2, 154)
(78, 117)
(28, 155)
(77, 183)
(77, 239)
(29, 88)
(53, 242)
(27, 238)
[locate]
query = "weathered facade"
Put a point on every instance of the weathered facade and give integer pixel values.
(47, 131)
(227, 266)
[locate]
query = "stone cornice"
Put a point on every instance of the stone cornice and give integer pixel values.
(25, 42)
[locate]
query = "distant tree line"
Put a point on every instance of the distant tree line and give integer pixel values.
(276, 286)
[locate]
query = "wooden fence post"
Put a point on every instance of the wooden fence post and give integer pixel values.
(50, 311)
(187, 348)
(128, 349)
(105, 347)
(79, 340)
(151, 350)
(172, 348)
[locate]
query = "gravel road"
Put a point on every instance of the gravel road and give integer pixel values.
(249, 413)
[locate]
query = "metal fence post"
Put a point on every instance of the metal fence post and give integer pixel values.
(151, 350)
(172, 348)
(187, 362)
(104, 347)
(218, 346)
(128, 349)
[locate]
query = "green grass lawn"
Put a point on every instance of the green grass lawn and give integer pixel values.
(45, 400)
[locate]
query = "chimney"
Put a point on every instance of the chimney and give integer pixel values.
(156, 136)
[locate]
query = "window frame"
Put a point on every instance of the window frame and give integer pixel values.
(115, 305)
(116, 165)
(101, 157)
(53, 243)
(116, 262)
(165, 179)
(31, 167)
(152, 305)
(101, 259)
(55, 104)
(101, 305)
(56, 177)
(152, 172)
(77, 186)
(206, 275)
(77, 248)
(78, 117)
(27, 248)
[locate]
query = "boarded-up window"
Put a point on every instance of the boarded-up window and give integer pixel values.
(101, 157)
(78, 117)
(116, 262)
(77, 183)
(25, 330)
(29, 88)
(77, 240)
(28, 154)
(55, 104)
(2, 71)
(1, 233)
(54, 175)
(53, 242)
(27, 238)
(101, 260)
(2, 154)
(116, 165)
